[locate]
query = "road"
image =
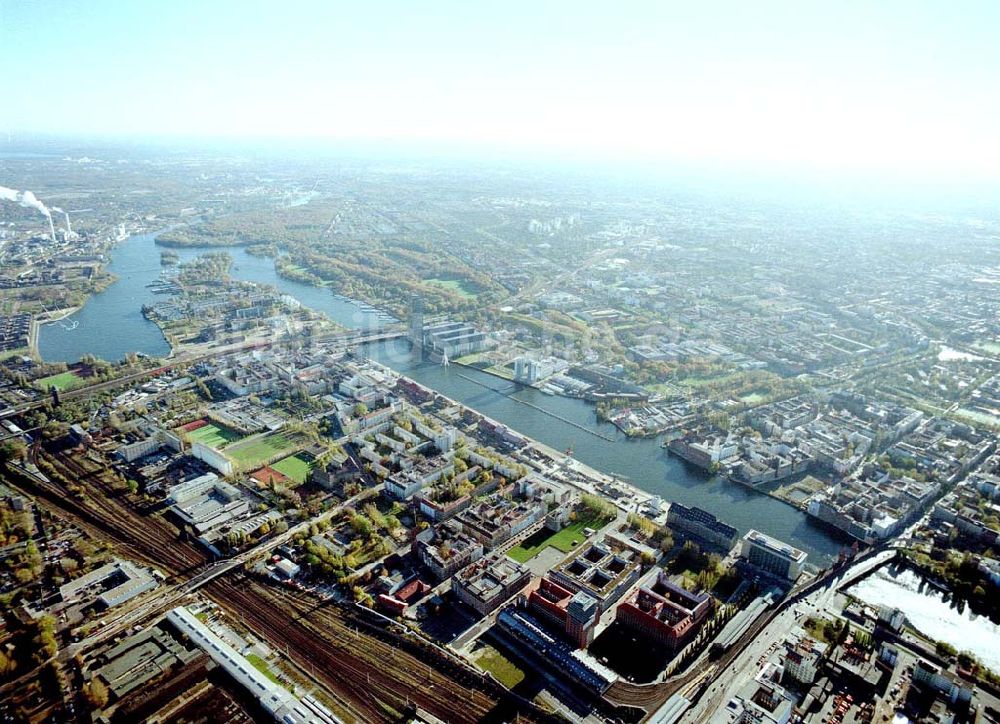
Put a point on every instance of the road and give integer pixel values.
(747, 664)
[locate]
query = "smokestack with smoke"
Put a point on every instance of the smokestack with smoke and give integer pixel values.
(69, 229)
(29, 201)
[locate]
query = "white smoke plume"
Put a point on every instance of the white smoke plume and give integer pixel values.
(69, 229)
(29, 201)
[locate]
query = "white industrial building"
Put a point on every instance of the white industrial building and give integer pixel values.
(207, 502)
(274, 698)
(110, 585)
(212, 457)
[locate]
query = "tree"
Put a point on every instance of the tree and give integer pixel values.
(597, 507)
(361, 525)
(966, 660)
(69, 565)
(203, 389)
(845, 631)
(45, 640)
(944, 649)
(373, 514)
(7, 664)
(12, 450)
(96, 693)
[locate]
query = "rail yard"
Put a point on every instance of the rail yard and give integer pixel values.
(371, 676)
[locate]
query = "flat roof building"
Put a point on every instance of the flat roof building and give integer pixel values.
(110, 585)
(448, 551)
(664, 611)
(276, 699)
(498, 519)
(772, 555)
(576, 613)
(140, 659)
(701, 524)
(759, 703)
(207, 502)
(487, 583)
(601, 572)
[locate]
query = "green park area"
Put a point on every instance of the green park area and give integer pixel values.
(295, 467)
(978, 416)
(63, 381)
(502, 371)
(254, 452)
(503, 670)
(457, 286)
(701, 381)
(796, 493)
(215, 436)
(565, 540)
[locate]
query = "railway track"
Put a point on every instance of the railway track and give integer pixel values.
(400, 638)
(361, 661)
(371, 678)
(105, 514)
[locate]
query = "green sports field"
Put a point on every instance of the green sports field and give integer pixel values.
(255, 452)
(457, 286)
(295, 467)
(62, 381)
(215, 436)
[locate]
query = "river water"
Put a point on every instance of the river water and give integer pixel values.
(111, 325)
(931, 612)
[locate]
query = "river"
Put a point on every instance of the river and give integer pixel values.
(931, 612)
(111, 325)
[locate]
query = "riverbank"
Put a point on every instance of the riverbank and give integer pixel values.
(641, 462)
(795, 490)
(934, 613)
(586, 478)
(110, 325)
(540, 409)
(51, 317)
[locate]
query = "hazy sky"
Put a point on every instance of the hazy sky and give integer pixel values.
(909, 87)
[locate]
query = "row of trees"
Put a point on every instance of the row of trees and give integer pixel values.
(594, 506)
